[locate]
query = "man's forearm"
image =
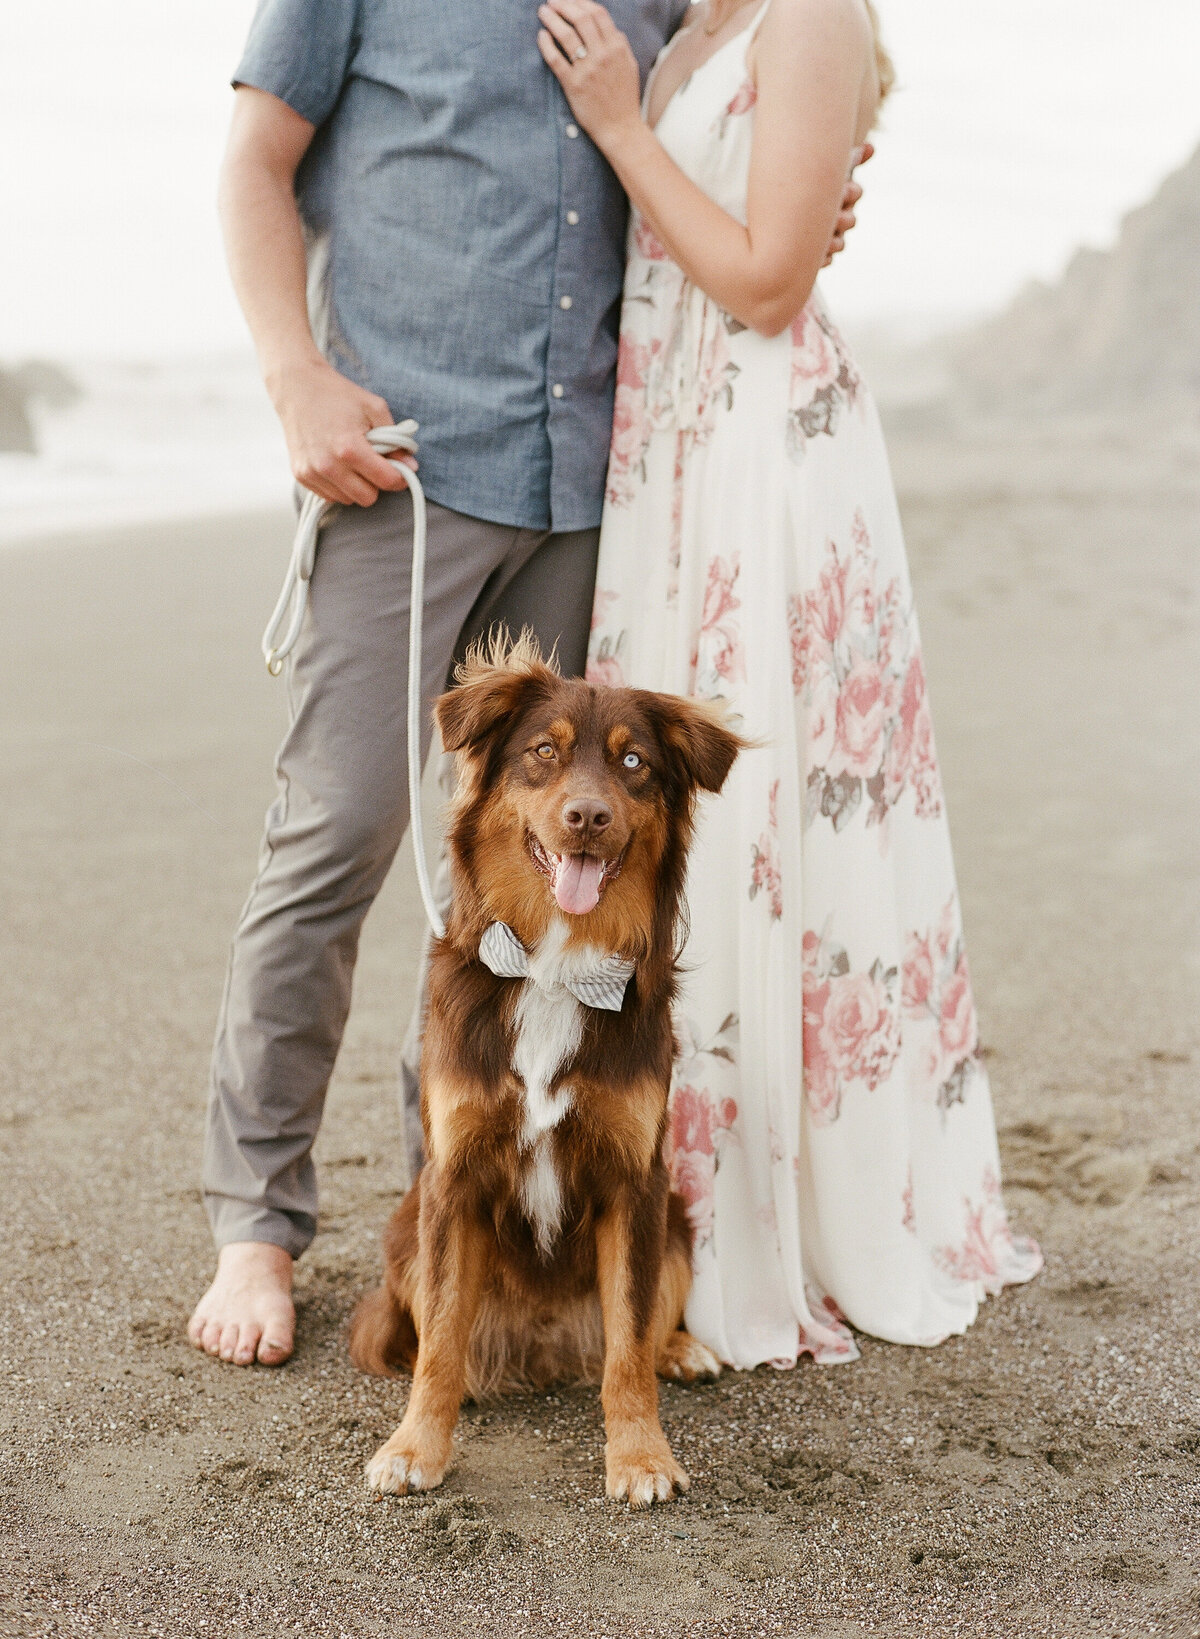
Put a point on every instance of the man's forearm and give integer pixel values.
(325, 417)
(264, 243)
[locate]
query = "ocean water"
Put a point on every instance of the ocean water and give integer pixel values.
(174, 438)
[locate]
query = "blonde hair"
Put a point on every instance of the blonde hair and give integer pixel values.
(884, 66)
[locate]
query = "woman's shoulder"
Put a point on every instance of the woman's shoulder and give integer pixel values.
(800, 37)
(836, 22)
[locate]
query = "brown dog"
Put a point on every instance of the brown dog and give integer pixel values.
(541, 1240)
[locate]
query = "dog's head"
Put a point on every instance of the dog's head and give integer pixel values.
(567, 790)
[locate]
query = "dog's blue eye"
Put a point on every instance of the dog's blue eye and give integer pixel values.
(632, 760)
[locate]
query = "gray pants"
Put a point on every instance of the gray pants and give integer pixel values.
(338, 818)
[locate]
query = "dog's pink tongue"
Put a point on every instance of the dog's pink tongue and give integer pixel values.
(577, 884)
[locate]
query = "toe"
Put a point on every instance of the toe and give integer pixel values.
(272, 1353)
(386, 1472)
(210, 1337)
(229, 1338)
(276, 1345)
(247, 1345)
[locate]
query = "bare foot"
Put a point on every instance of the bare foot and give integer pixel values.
(247, 1313)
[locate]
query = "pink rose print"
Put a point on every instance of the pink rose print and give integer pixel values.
(908, 1215)
(631, 424)
(851, 1025)
(718, 656)
(693, 1175)
(645, 240)
(936, 995)
(917, 978)
(601, 604)
(821, 1084)
(742, 101)
(765, 875)
(801, 642)
(744, 98)
(860, 1027)
(958, 1027)
(988, 1252)
(860, 725)
(700, 1122)
(696, 1120)
(862, 596)
(814, 357)
(824, 381)
(671, 334)
(911, 757)
(822, 727)
(675, 551)
(827, 606)
(828, 1337)
(923, 773)
(856, 665)
(715, 371)
(604, 668)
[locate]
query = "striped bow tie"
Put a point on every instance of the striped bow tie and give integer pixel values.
(602, 986)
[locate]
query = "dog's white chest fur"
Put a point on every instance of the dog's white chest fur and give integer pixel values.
(547, 1023)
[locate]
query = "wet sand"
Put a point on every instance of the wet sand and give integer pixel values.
(1040, 1476)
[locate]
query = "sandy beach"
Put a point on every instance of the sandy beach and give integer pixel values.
(1038, 1477)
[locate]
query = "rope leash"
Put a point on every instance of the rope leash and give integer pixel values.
(288, 617)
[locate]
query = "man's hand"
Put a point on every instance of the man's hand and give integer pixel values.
(846, 217)
(325, 421)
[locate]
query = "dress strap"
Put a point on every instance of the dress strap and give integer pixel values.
(756, 20)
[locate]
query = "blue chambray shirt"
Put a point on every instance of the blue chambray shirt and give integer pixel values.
(466, 240)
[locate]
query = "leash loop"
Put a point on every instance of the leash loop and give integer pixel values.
(288, 617)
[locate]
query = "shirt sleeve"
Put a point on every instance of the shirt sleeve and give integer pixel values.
(300, 51)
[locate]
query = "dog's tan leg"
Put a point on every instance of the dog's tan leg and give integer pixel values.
(629, 1255)
(453, 1260)
(678, 1355)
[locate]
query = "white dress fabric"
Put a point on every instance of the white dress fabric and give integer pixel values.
(831, 1123)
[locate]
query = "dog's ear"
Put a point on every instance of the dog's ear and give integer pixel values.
(498, 678)
(470, 713)
(697, 736)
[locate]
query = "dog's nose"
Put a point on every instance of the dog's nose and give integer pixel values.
(586, 816)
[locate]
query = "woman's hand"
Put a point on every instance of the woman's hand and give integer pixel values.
(593, 62)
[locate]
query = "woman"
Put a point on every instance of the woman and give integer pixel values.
(831, 1123)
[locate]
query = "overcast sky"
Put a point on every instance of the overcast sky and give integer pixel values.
(1021, 129)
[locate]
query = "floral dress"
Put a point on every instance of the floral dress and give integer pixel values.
(831, 1124)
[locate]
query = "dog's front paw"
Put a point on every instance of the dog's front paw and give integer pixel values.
(407, 1464)
(686, 1360)
(643, 1475)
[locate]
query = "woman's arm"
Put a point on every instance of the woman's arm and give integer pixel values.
(814, 62)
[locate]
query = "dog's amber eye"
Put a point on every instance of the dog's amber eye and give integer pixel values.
(545, 751)
(631, 760)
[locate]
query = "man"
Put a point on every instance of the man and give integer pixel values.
(415, 226)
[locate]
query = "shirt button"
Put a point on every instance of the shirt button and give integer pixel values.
(564, 302)
(572, 130)
(573, 217)
(557, 389)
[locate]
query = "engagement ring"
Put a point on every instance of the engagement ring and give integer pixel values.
(581, 54)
